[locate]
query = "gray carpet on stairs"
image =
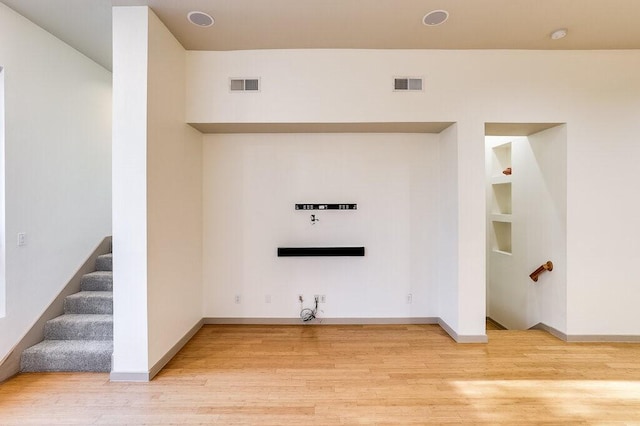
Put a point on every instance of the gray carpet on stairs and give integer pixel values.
(89, 302)
(105, 262)
(79, 327)
(82, 338)
(97, 281)
(68, 355)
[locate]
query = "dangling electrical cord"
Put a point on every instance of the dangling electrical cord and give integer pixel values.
(308, 314)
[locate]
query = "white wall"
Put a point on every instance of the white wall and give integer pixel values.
(174, 198)
(251, 184)
(157, 195)
(57, 167)
(3, 294)
(597, 93)
(545, 204)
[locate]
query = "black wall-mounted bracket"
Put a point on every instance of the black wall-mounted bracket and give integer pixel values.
(345, 206)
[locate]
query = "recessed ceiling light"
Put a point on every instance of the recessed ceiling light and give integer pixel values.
(200, 19)
(558, 34)
(435, 17)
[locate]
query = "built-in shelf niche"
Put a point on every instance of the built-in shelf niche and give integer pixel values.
(501, 203)
(501, 237)
(501, 199)
(501, 158)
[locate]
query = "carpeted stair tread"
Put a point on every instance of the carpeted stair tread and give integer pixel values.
(104, 262)
(79, 327)
(68, 355)
(89, 302)
(97, 281)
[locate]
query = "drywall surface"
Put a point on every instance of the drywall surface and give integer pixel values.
(448, 309)
(544, 200)
(251, 186)
(174, 198)
(57, 167)
(130, 247)
(596, 93)
(3, 294)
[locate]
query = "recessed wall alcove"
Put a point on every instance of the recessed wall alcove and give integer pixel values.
(526, 223)
(255, 173)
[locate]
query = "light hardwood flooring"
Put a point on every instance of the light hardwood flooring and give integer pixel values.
(349, 375)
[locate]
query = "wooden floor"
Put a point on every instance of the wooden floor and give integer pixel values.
(349, 375)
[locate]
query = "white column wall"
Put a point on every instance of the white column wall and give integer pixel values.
(130, 234)
(157, 197)
(448, 307)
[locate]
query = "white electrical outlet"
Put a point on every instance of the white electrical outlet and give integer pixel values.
(22, 239)
(237, 298)
(267, 298)
(321, 298)
(409, 298)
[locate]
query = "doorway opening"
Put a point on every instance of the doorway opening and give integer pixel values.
(526, 189)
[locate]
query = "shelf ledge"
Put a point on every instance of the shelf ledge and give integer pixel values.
(501, 217)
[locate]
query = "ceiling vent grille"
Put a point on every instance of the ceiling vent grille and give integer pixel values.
(244, 84)
(407, 84)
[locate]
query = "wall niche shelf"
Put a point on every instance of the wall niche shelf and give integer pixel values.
(498, 180)
(495, 217)
(501, 199)
(501, 237)
(501, 159)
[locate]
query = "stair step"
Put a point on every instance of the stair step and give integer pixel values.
(68, 355)
(79, 327)
(97, 281)
(105, 262)
(89, 302)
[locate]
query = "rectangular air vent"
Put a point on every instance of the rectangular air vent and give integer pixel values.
(244, 84)
(404, 84)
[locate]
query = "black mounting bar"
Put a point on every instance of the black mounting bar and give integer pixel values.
(345, 206)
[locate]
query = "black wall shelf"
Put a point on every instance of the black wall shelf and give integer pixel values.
(319, 251)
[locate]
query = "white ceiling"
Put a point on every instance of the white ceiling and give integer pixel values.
(362, 24)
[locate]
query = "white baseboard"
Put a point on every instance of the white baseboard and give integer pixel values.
(320, 321)
(119, 376)
(603, 338)
(587, 338)
(553, 331)
(462, 338)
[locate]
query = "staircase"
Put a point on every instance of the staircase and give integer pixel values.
(82, 338)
